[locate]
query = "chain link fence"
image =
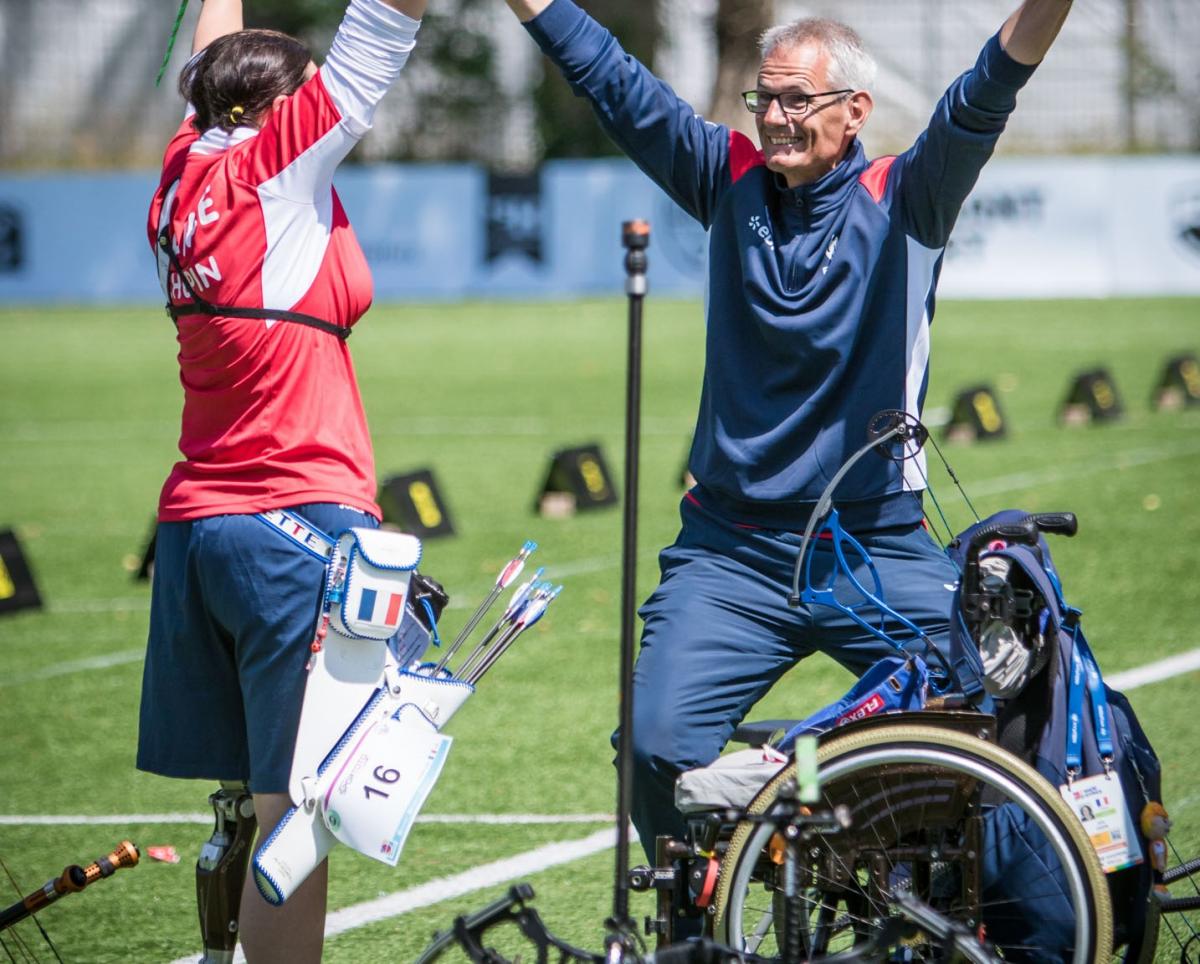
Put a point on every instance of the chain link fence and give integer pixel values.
(77, 79)
(1122, 77)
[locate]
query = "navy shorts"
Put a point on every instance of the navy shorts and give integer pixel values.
(232, 617)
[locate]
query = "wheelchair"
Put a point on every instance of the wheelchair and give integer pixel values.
(915, 788)
(937, 814)
(903, 847)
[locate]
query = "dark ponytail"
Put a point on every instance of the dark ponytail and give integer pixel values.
(239, 75)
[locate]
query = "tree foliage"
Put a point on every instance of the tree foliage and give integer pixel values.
(738, 24)
(307, 19)
(450, 97)
(455, 105)
(566, 125)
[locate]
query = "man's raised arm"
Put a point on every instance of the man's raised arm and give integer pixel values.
(941, 168)
(527, 9)
(1027, 35)
(661, 133)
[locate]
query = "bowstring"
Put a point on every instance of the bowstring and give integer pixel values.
(936, 504)
(933, 495)
(954, 478)
(9, 953)
(171, 42)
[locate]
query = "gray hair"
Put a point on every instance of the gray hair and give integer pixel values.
(850, 66)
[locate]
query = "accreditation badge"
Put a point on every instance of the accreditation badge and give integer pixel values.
(1099, 803)
(375, 789)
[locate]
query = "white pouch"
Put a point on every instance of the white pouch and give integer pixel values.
(365, 589)
(379, 564)
(374, 782)
(365, 789)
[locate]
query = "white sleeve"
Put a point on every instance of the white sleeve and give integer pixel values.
(368, 52)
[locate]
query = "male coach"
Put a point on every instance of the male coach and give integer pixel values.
(821, 280)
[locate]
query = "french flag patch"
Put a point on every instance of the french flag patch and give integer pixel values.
(381, 608)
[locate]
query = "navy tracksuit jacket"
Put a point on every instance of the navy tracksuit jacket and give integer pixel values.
(819, 297)
(818, 309)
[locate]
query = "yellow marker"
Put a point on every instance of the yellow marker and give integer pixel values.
(593, 477)
(985, 408)
(7, 589)
(425, 504)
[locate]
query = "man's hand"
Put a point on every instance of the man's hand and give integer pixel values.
(217, 18)
(1029, 32)
(526, 10)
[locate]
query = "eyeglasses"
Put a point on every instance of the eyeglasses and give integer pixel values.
(790, 101)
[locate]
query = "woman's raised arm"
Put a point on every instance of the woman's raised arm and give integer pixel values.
(217, 18)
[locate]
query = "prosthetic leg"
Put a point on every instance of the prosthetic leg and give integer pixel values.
(221, 871)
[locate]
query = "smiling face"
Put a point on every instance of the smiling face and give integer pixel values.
(805, 147)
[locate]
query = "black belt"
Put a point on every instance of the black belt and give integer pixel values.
(198, 306)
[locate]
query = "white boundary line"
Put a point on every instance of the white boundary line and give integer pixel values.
(532, 861)
(1119, 460)
(1126, 680)
(501, 819)
(75, 666)
(1016, 481)
(1155, 672)
(85, 432)
(124, 657)
(445, 888)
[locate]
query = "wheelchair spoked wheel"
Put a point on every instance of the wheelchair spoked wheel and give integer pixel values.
(923, 805)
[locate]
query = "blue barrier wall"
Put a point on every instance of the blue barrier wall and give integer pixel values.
(1031, 228)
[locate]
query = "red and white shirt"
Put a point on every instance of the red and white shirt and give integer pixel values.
(271, 414)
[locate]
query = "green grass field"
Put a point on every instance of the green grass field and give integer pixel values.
(483, 393)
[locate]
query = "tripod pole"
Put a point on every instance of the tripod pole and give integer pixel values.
(635, 236)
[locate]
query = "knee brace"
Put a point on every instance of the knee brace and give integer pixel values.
(221, 871)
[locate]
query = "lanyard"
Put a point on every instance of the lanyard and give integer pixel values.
(1085, 672)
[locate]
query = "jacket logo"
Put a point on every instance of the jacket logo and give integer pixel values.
(762, 230)
(829, 255)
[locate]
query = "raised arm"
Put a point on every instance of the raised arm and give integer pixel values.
(217, 18)
(687, 157)
(527, 9)
(940, 169)
(369, 51)
(308, 134)
(1027, 35)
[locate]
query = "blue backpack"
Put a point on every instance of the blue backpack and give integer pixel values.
(1065, 694)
